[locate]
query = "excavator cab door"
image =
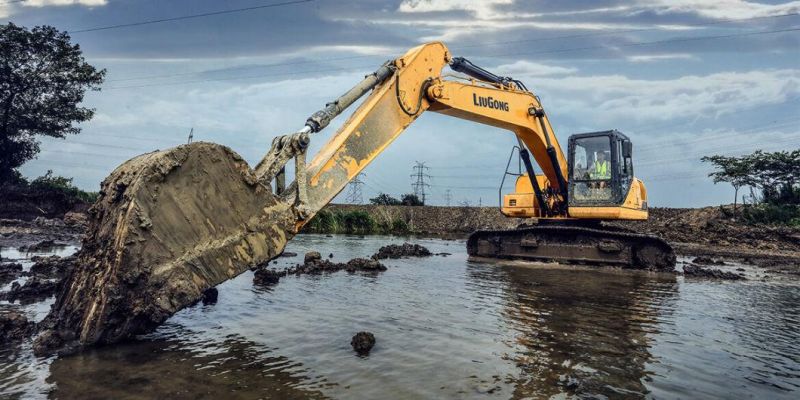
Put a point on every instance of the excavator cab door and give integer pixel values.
(600, 169)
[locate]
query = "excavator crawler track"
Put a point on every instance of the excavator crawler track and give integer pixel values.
(574, 245)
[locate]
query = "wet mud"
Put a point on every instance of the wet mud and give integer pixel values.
(313, 263)
(14, 326)
(713, 273)
(399, 251)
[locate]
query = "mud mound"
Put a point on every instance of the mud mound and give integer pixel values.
(151, 248)
(314, 264)
(700, 272)
(403, 250)
(713, 227)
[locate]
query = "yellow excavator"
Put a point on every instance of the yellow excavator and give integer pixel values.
(170, 224)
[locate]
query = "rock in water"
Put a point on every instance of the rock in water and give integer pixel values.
(403, 250)
(266, 277)
(312, 256)
(363, 342)
(168, 225)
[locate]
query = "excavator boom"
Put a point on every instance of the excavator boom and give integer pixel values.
(173, 223)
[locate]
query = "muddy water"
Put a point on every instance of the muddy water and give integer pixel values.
(447, 327)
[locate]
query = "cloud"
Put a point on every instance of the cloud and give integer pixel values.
(7, 9)
(45, 3)
(643, 58)
(528, 68)
(481, 9)
(608, 98)
(723, 9)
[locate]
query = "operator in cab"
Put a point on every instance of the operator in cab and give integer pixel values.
(601, 169)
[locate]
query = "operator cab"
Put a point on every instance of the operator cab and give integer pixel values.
(600, 169)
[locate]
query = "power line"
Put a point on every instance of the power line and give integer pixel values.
(473, 45)
(201, 15)
(552, 51)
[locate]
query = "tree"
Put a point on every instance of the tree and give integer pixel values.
(384, 199)
(43, 78)
(410, 199)
(733, 170)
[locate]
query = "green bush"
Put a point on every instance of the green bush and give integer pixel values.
(354, 223)
(774, 214)
(50, 182)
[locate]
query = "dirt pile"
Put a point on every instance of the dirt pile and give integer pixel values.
(694, 230)
(14, 326)
(404, 250)
(700, 272)
(151, 249)
(313, 263)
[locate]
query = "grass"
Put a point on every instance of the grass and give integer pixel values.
(354, 223)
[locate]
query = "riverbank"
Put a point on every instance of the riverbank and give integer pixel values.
(691, 231)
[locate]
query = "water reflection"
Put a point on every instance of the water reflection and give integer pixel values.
(581, 332)
(232, 368)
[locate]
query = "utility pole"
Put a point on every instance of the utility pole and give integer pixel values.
(447, 197)
(191, 135)
(418, 182)
(354, 191)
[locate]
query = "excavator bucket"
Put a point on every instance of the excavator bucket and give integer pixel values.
(168, 225)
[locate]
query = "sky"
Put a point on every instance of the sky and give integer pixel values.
(682, 78)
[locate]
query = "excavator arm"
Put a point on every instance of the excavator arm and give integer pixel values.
(403, 90)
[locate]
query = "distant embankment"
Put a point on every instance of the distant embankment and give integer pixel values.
(431, 220)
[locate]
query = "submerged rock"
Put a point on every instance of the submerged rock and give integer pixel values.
(698, 271)
(363, 342)
(403, 250)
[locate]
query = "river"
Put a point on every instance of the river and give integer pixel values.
(446, 327)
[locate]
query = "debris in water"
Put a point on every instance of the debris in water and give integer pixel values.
(700, 272)
(288, 254)
(363, 342)
(403, 250)
(39, 246)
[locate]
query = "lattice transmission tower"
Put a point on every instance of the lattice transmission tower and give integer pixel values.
(354, 195)
(418, 180)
